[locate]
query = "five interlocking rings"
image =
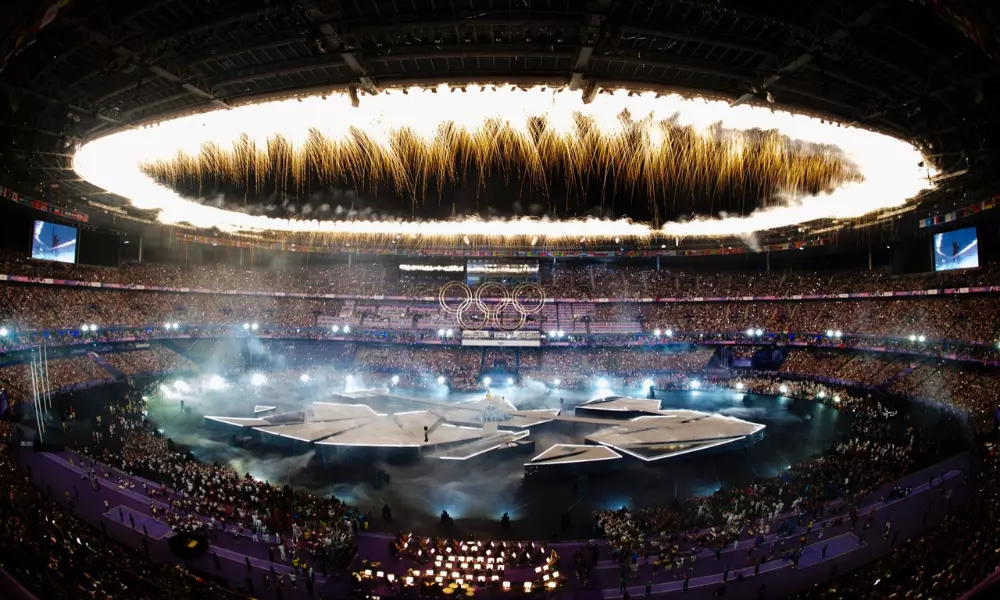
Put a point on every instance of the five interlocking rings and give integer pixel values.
(502, 299)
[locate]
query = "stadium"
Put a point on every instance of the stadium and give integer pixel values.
(357, 299)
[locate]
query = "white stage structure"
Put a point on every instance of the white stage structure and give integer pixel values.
(612, 427)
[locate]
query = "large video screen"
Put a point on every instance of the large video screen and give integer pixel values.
(957, 249)
(54, 242)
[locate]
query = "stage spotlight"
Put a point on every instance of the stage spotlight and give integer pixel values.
(836, 399)
(602, 383)
(349, 379)
(216, 383)
(829, 333)
(838, 333)
(254, 326)
(440, 332)
(783, 389)
(449, 333)
(739, 385)
(556, 382)
(441, 380)
(176, 326)
(510, 381)
(304, 378)
(336, 329)
(552, 334)
(821, 394)
(181, 386)
(657, 332)
(166, 325)
(395, 380)
(647, 384)
(347, 329)
(758, 331)
(695, 384)
(921, 339)
(4, 331)
(750, 332)
(560, 333)
(487, 381)
(246, 326)
(913, 338)
(258, 379)
(670, 333)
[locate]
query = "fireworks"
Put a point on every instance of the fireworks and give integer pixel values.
(413, 141)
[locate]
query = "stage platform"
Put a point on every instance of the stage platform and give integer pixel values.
(614, 427)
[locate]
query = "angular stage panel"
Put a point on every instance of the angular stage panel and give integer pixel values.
(652, 452)
(461, 431)
(672, 433)
(565, 454)
(328, 411)
(622, 404)
(312, 431)
(297, 416)
(530, 418)
(487, 443)
(521, 419)
(403, 430)
(239, 422)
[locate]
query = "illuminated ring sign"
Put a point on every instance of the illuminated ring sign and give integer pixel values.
(525, 299)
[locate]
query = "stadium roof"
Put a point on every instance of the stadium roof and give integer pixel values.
(924, 70)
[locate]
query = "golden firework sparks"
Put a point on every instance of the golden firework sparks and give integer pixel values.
(419, 139)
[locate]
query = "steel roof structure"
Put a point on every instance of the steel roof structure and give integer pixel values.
(920, 69)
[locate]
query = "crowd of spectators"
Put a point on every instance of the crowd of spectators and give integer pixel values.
(565, 280)
(54, 554)
(622, 367)
(317, 530)
(459, 365)
(52, 307)
(880, 448)
(770, 386)
(970, 387)
(156, 359)
(864, 368)
(62, 373)
(953, 321)
(944, 563)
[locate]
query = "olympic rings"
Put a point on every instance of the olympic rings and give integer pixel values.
(498, 320)
(486, 316)
(498, 296)
(462, 305)
(521, 289)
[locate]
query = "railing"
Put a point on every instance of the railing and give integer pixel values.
(13, 589)
(987, 588)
